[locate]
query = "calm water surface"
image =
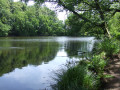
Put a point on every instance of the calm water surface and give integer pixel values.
(29, 63)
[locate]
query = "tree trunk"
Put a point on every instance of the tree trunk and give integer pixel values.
(107, 30)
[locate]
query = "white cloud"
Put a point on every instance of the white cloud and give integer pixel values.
(62, 14)
(30, 3)
(16, 0)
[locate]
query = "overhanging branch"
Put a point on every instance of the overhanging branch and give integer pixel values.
(77, 14)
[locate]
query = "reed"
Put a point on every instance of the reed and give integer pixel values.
(76, 78)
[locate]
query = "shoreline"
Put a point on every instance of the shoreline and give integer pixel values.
(113, 69)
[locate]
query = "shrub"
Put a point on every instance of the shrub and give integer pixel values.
(109, 46)
(97, 64)
(76, 78)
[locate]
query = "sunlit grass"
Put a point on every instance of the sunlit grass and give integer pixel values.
(76, 78)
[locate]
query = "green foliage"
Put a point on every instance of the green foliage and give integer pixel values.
(5, 16)
(115, 27)
(97, 64)
(108, 76)
(90, 16)
(93, 14)
(18, 19)
(109, 46)
(115, 5)
(84, 76)
(76, 78)
(4, 28)
(78, 27)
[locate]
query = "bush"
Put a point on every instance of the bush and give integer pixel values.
(118, 36)
(97, 64)
(109, 46)
(76, 78)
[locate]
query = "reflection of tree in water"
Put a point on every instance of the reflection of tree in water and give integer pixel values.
(32, 53)
(77, 48)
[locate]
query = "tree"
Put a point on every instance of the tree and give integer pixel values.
(5, 17)
(115, 27)
(77, 27)
(18, 19)
(100, 10)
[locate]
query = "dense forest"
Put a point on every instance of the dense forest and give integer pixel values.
(86, 18)
(90, 17)
(18, 19)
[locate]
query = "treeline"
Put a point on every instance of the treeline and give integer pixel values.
(78, 27)
(18, 19)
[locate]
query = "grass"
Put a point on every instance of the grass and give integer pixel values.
(76, 78)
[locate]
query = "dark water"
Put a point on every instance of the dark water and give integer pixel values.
(28, 63)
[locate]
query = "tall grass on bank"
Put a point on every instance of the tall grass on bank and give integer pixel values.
(85, 75)
(76, 78)
(109, 46)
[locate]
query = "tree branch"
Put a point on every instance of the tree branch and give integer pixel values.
(115, 12)
(99, 9)
(77, 14)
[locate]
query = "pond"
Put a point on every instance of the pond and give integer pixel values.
(29, 63)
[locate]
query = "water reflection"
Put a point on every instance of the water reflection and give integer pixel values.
(27, 53)
(27, 63)
(78, 49)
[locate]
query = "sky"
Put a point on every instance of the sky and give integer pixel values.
(62, 15)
